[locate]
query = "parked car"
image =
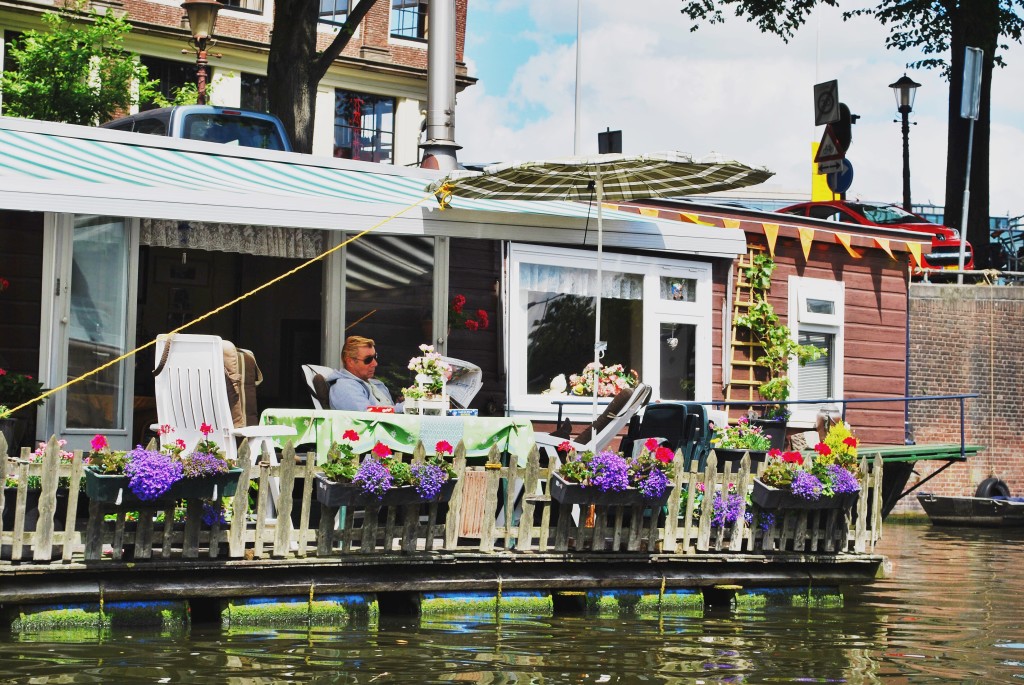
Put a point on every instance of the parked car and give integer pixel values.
(210, 123)
(945, 249)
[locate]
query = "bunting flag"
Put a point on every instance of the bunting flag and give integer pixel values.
(695, 218)
(844, 240)
(915, 252)
(884, 244)
(647, 211)
(806, 238)
(771, 232)
(731, 223)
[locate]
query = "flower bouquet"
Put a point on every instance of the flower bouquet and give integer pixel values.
(610, 478)
(611, 380)
(145, 475)
(732, 442)
(828, 479)
(432, 374)
(380, 477)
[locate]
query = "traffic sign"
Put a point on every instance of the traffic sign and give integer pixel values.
(826, 102)
(831, 167)
(841, 181)
(828, 149)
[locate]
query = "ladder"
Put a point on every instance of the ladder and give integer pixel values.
(745, 376)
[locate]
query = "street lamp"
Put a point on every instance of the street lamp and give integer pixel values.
(905, 89)
(202, 17)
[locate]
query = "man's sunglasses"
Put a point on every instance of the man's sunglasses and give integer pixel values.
(368, 359)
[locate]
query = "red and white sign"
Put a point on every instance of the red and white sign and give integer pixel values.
(828, 149)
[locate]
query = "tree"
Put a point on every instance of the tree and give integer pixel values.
(77, 72)
(294, 67)
(934, 27)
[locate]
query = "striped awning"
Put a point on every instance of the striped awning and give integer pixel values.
(83, 170)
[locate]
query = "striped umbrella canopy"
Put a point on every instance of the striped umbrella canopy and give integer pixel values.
(614, 177)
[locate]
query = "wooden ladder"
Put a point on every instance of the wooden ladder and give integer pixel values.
(745, 376)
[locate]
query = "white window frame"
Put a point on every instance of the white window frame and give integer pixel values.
(801, 289)
(655, 312)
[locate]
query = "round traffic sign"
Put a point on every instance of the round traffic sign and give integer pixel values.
(840, 182)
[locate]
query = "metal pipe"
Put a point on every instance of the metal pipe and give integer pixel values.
(440, 147)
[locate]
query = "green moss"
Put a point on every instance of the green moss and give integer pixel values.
(449, 604)
(163, 615)
(153, 614)
(530, 603)
(40, 619)
(299, 611)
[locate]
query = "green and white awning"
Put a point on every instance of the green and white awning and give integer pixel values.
(82, 170)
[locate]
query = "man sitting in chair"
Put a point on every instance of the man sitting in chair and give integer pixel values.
(353, 387)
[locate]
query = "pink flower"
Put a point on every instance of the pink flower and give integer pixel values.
(206, 429)
(775, 453)
(651, 444)
(664, 455)
(3, 372)
(443, 447)
(823, 449)
(564, 446)
(98, 443)
(381, 450)
(472, 324)
(850, 441)
(180, 444)
(484, 320)
(793, 458)
(350, 435)
(165, 429)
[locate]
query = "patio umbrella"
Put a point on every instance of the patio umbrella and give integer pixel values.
(613, 177)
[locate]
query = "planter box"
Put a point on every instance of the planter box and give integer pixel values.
(573, 493)
(767, 497)
(106, 488)
(331, 494)
(774, 430)
(734, 456)
(32, 508)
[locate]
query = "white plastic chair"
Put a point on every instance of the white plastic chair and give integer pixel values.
(612, 419)
(310, 372)
(466, 381)
(191, 389)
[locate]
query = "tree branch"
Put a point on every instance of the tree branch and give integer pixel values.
(326, 58)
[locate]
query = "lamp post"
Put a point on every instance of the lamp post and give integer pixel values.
(905, 88)
(202, 17)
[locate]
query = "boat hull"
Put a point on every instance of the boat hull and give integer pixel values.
(985, 512)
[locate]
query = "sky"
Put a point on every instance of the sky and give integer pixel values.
(726, 89)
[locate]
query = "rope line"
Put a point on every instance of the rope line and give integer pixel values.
(219, 309)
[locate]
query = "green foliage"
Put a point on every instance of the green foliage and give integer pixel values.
(341, 464)
(77, 71)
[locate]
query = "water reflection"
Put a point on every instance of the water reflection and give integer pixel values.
(948, 614)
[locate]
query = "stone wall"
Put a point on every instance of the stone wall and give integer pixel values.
(967, 339)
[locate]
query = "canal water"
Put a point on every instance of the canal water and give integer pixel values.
(951, 612)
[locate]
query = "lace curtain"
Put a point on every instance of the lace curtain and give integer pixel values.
(264, 241)
(547, 278)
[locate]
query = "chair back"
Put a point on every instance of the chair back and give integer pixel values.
(615, 416)
(466, 381)
(191, 389)
(316, 380)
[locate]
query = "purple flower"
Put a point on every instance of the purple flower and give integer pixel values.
(151, 474)
(842, 480)
(200, 464)
(428, 479)
(611, 472)
(654, 484)
(807, 485)
(374, 477)
(213, 513)
(727, 512)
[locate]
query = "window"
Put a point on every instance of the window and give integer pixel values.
(335, 11)
(655, 319)
(409, 19)
(245, 5)
(254, 93)
(171, 75)
(816, 315)
(364, 126)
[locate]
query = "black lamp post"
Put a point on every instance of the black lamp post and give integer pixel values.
(905, 89)
(202, 17)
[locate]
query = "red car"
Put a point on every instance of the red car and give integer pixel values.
(945, 250)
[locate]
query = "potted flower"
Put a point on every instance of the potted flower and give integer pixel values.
(459, 318)
(611, 380)
(610, 478)
(732, 442)
(432, 375)
(18, 391)
(33, 490)
(828, 479)
(145, 475)
(725, 510)
(379, 477)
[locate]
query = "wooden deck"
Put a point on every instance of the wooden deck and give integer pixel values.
(464, 545)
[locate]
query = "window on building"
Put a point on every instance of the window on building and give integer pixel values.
(364, 126)
(655, 318)
(335, 11)
(254, 93)
(172, 75)
(245, 5)
(409, 19)
(816, 315)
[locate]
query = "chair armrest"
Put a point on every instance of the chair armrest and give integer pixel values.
(553, 441)
(263, 431)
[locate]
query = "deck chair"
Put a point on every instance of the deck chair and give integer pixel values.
(466, 381)
(316, 380)
(191, 389)
(600, 433)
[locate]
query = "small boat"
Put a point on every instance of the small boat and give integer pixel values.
(991, 507)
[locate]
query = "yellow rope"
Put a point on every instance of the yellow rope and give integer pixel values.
(444, 195)
(219, 309)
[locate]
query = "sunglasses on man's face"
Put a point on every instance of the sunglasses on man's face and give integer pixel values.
(367, 359)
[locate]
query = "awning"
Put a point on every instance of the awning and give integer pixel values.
(83, 170)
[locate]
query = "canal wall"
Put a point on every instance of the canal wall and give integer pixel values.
(966, 339)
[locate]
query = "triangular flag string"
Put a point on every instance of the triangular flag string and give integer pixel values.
(771, 232)
(806, 238)
(915, 252)
(884, 244)
(731, 223)
(845, 240)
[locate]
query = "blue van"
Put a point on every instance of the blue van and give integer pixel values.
(225, 125)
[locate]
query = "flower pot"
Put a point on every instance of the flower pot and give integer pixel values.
(13, 430)
(774, 430)
(768, 497)
(113, 489)
(733, 456)
(331, 494)
(566, 492)
(32, 508)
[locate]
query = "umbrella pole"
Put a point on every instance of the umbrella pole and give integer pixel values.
(598, 351)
